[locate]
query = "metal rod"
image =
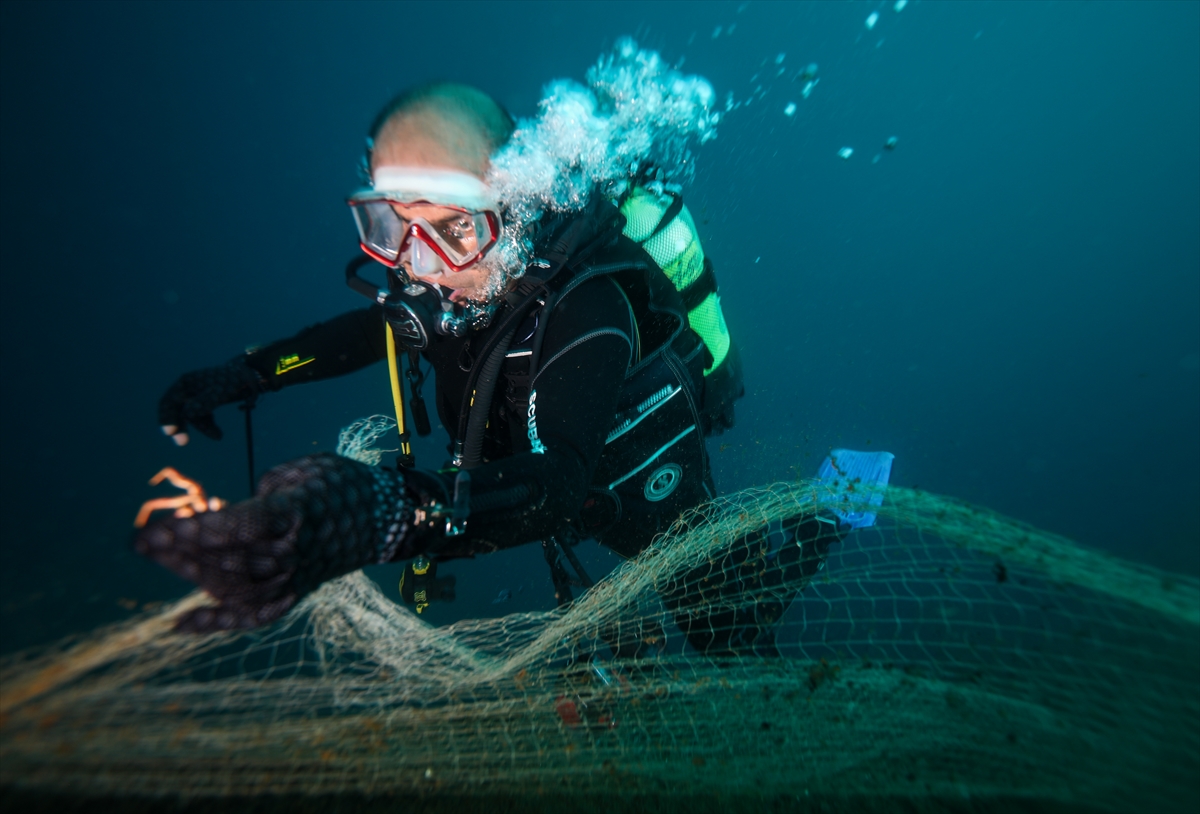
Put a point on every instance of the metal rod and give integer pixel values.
(576, 564)
(247, 407)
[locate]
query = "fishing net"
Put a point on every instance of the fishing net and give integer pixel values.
(946, 657)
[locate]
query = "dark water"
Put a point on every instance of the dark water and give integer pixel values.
(1009, 301)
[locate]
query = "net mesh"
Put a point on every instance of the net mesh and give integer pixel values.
(358, 440)
(947, 653)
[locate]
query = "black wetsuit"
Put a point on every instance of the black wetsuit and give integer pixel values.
(620, 400)
(588, 347)
(594, 335)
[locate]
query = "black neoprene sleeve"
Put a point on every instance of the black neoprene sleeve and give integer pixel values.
(332, 348)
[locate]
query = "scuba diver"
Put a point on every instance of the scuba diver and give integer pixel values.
(577, 396)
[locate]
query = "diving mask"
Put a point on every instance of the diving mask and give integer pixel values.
(437, 220)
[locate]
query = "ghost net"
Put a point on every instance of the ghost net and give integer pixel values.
(944, 656)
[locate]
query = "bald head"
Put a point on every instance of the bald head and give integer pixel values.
(444, 125)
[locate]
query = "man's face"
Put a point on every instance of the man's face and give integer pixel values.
(455, 228)
(435, 144)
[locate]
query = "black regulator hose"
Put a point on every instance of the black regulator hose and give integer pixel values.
(485, 386)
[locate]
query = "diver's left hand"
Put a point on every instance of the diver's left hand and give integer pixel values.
(313, 519)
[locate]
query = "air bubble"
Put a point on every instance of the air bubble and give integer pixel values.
(633, 112)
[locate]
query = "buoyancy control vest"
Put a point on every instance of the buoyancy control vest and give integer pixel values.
(654, 464)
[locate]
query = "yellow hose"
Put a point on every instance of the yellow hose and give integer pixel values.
(397, 392)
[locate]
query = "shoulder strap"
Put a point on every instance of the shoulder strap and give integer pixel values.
(669, 215)
(524, 360)
(698, 290)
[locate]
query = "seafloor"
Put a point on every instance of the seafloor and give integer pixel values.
(22, 802)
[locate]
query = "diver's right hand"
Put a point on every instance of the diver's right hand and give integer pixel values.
(193, 397)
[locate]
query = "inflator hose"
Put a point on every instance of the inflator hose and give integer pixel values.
(481, 405)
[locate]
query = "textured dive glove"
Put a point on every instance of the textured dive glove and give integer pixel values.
(194, 396)
(311, 520)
